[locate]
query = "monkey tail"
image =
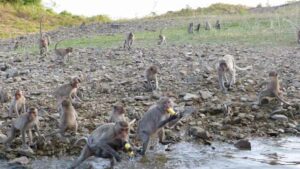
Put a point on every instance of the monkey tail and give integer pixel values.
(81, 139)
(132, 122)
(279, 98)
(57, 44)
(243, 68)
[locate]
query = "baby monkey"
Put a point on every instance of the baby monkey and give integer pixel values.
(18, 104)
(151, 77)
(272, 90)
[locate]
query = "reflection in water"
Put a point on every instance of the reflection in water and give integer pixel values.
(266, 153)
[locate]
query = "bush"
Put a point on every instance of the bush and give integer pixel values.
(22, 2)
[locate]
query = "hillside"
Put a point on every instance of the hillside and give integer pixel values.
(16, 20)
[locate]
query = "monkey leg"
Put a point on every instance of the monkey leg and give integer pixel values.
(145, 138)
(23, 133)
(221, 82)
(161, 137)
(85, 153)
(30, 137)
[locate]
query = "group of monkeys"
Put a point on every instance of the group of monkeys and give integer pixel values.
(207, 26)
(106, 140)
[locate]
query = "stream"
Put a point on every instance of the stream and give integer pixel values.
(266, 153)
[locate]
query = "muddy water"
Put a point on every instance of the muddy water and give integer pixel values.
(271, 153)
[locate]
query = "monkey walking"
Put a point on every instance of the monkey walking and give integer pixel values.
(226, 66)
(154, 121)
(63, 53)
(129, 41)
(18, 104)
(105, 141)
(272, 90)
(24, 123)
(198, 27)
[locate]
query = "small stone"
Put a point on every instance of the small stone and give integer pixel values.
(243, 145)
(189, 97)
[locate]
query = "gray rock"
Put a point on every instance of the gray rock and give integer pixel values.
(279, 117)
(21, 160)
(198, 132)
(2, 138)
(205, 94)
(243, 145)
(12, 73)
(189, 97)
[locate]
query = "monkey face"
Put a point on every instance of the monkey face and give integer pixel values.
(273, 74)
(32, 114)
(223, 66)
(18, 95)
(69, 50)
(119, 109)
(75, 82)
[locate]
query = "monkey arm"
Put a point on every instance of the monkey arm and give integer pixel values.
(24, 108)
(164, 122)
(16, 109)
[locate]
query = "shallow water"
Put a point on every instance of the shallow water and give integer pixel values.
(270, 153)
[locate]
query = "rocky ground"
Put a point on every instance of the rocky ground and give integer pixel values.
(187, 75)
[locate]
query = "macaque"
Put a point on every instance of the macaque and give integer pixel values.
(207, 26)
(118, 114)
(24, 123)
(4, 96)
(162, 38)
(63, 53)
(17, 44)
(226, 66)
(105, 142)
(18, 104)
(151, 76)
(129, 40)
(191, 28)
(68, 118)
(198, 27)
(154, 120)
(218, 25)
(44, 41)
(67, 91)
(273, 89)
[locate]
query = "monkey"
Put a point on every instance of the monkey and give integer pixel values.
(118, 114)
(129, 41)
(67, 91)
(153, 121)
(191, 28)
(198, 27)
(104, 142)
(218, 25)
(18, 104)
(162, 38)
(273, 89)
(4, 96)
(62, 53)
(24, 123)
(207, 26)
(225, 66)
(68, 118)
(44, 40)
(151, 75)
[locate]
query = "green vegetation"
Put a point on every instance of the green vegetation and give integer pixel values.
(21, 17)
